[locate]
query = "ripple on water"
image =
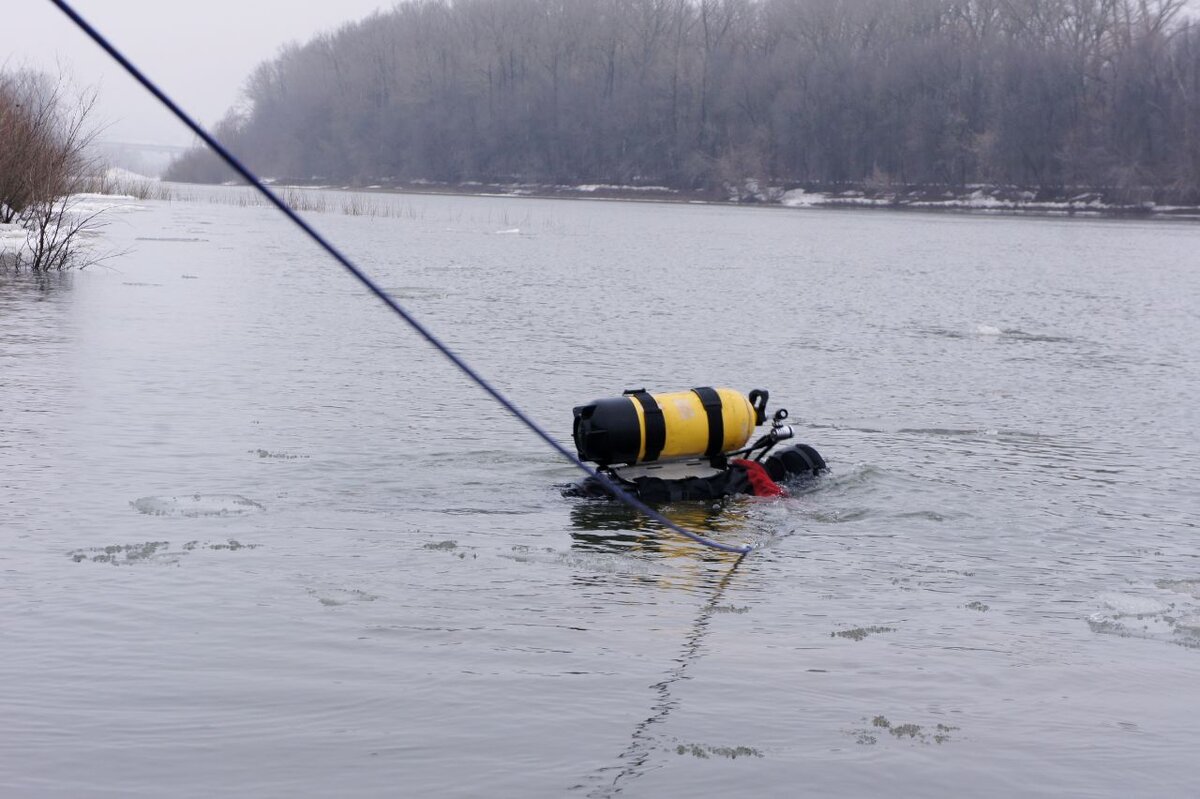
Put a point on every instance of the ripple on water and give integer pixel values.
(582, 560)
(197, 505)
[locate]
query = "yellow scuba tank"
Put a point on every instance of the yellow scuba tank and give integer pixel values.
(640, 427)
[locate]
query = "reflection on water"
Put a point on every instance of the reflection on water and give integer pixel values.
(709, 519)
(608, 524)
(19, 288)
(645, 741)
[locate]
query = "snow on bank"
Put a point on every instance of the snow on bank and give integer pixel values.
(85, 213)
(983, 199)
(89, 203)
(12, 238)
(972, 198)
(799, 198)
(594, 187)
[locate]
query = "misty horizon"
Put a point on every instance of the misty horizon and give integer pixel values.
(175, 44)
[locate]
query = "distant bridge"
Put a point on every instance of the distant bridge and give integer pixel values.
(144, 158)
(145, 147)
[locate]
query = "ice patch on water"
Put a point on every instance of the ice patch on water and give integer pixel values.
(149, 552)
(126, 554)
(336, 597)
(911, 733)
(986, 331)
(1189, 624)
(196, 505)
(1172, 617)
(1181, 586)
(279, 456)
(1130, 605)
(1016, 334)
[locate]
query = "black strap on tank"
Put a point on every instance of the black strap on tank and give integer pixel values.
(656, 425)
(711, 401)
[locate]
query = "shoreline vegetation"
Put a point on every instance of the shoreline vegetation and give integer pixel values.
(46, 138)
(986, 200)
(1043, 106)
(107, 188)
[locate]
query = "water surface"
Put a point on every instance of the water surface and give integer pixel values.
(258, 540)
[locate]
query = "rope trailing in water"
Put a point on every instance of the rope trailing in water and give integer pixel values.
(375, 289)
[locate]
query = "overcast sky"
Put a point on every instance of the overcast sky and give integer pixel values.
(200, 51)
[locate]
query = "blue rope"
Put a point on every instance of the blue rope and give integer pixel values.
(374, 288)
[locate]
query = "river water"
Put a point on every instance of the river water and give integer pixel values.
(257, 539)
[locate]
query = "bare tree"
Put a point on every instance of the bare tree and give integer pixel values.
(46, 135)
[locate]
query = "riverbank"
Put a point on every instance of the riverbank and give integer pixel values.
(969, 199)
(978, 199)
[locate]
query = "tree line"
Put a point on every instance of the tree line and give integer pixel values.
(705, 93)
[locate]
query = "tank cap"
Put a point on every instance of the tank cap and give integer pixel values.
(758, 401)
